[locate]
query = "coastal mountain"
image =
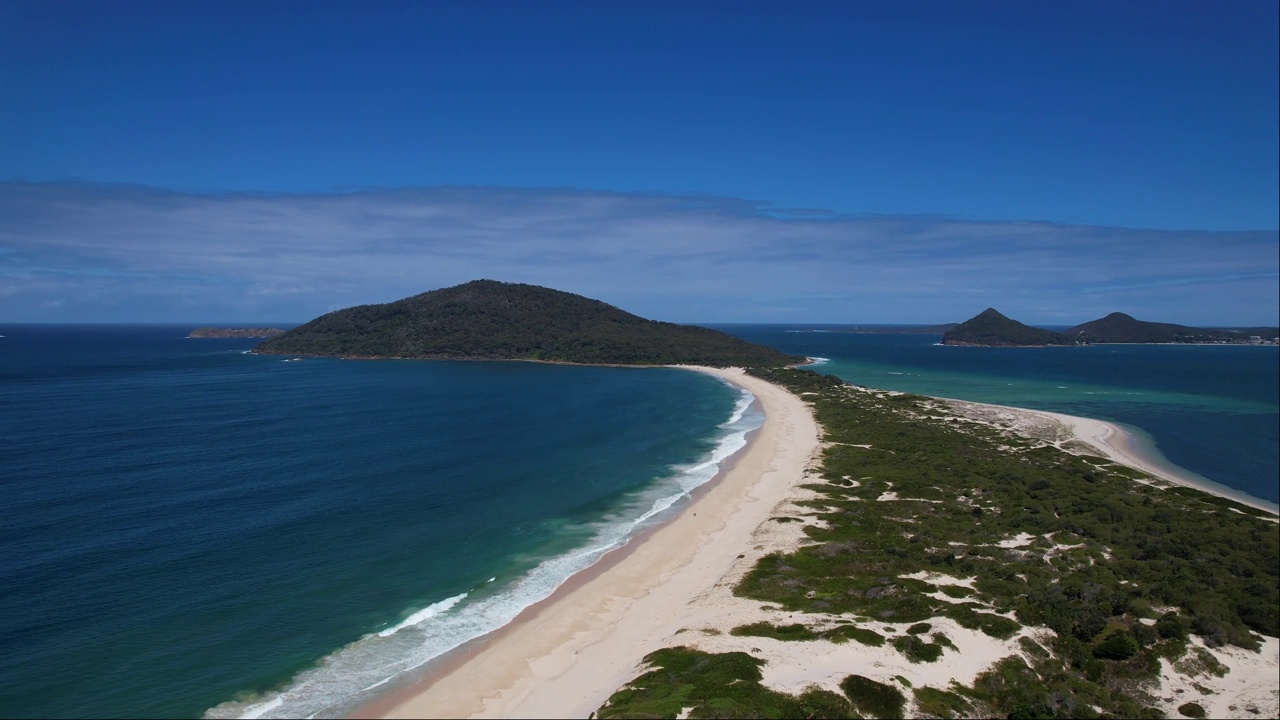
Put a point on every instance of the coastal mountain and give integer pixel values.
(991, 329)
(1121, 328)
(491, 320)
(216, 332)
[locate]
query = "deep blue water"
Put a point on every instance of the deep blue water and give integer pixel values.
(185, 525)
(1210, 409)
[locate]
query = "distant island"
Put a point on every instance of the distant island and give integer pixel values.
(216, 332)
(491, 320)
(895, 329)
(992, 329)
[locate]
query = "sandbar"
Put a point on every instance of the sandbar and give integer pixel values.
(674, 586)
(1108, 439)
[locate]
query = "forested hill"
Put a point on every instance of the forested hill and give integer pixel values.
(991, 329)
(1120, 328)
(491, 320)
(217, 332)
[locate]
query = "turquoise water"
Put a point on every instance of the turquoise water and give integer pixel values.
(187, 528)
(1214, 410)
(186, 525)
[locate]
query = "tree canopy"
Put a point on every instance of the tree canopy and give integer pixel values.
(491, 320)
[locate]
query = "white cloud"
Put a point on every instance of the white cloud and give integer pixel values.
(145, 254)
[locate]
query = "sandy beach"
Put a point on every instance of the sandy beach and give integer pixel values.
(1076, 434)
(567, 655)
(566, 658)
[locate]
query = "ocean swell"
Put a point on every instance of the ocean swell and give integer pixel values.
(353, 675)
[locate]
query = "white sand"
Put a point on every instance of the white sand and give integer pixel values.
(1070, 433)
(585, 644)
(1251, 687)
(675, 588)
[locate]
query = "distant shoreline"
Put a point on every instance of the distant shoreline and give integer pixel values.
(1119, 445)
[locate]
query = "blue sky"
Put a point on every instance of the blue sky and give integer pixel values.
(700, 162)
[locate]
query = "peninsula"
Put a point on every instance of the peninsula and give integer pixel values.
(218, 332)
(876, 554)
(491, 320)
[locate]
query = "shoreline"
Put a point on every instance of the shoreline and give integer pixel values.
(561, 657)
(1111, 440)
(566, 655)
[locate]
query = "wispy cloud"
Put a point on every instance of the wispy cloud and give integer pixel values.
(105, 252)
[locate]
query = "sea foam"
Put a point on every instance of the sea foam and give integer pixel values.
(350, 677)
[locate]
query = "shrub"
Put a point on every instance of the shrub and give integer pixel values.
(777, 632)
(1192, 710)
(1171, 626)
(844, 633)
(715, 685)
(1117, 646)
(940, 703)
(872, 698)
(917, 650)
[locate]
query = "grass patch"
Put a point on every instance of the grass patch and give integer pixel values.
(941, 703)
(1032, 648)
(944, 641)
(873, 698)
(723, 685)
(917, 650)
(1199, 661)
(955, 591)
(777, 632)
(845, 633)
(1192, 710)
(997, 626)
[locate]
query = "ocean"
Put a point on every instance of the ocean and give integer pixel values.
(190, 529)
(1211, 409)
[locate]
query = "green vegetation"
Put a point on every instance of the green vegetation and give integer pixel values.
(844, 633)
(1120, 328)
(1126, 546)
(1192, 710)
(777, 632)
(1117, 646)
(838, 634)
(940, 703)
(990, 328)
(1104, 554)
(872, 698)
(724, 685)
(917, 650)
(1200, 662)
(216, 332)
(490, 320)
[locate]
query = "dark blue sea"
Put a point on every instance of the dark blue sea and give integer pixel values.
(191, 529)
(186, 526)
